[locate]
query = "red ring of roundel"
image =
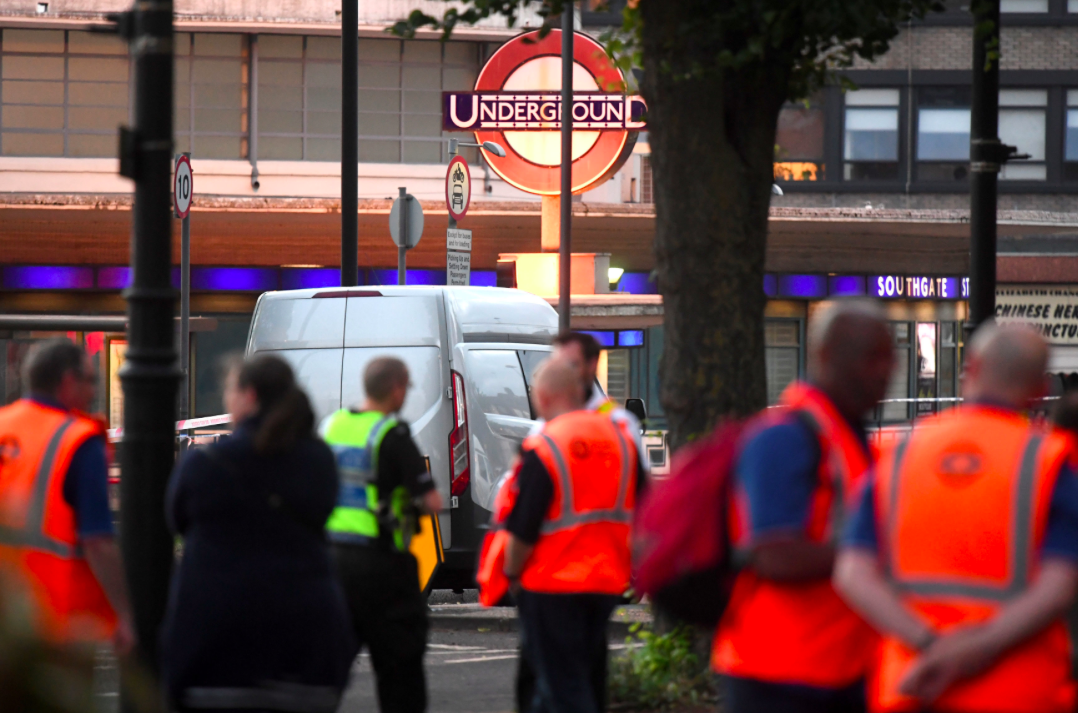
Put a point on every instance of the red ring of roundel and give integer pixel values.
(601, 161)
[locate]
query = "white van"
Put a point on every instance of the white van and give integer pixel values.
(471, 352)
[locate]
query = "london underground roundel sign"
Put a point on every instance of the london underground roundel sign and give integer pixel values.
(517, 104)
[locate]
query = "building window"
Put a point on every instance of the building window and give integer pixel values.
(400, 86)
(63, 93)
(1022, 123)
(647, 193)
(782, 355)
(899, 386)
(943, 133)
(1023, 6)
(799, 143)
(1070, 165)
(870, 138)
(211, 95)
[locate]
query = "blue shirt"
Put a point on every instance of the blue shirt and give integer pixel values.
(86, 483)
(1060, 536)
(778, 473)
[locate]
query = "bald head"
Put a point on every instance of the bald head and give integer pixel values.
(556, 388)
(1006, 364)
(850, 354)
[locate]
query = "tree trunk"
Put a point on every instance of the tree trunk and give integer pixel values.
(712, 138)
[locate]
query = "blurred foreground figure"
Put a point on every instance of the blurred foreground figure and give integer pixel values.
(787, 641)
(964, 551)
(256, 619)
(56, 535)
(567, 552)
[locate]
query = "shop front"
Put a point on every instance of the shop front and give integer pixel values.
(925, 315)
(1053, 311)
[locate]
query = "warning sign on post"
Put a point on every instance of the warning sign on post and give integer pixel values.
(459, 240)
(458, 267)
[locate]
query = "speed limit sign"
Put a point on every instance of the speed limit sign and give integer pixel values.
(182, 186)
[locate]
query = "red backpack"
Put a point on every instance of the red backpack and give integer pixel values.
(681, 554)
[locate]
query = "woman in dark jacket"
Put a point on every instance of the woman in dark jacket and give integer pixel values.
(256, 619)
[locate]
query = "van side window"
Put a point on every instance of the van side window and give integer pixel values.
(529, 361)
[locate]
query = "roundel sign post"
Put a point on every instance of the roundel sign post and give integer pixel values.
(517, 104)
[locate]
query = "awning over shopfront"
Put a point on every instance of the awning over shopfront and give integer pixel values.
(95, 230)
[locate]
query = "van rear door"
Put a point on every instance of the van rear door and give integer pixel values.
(309, 334)
(412, 329)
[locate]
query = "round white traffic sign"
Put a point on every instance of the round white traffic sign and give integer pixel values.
(413, 222)
(458, 187)
(183, 189)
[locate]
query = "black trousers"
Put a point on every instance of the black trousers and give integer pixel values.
(389, 616)
(746, 695)
(565, 644)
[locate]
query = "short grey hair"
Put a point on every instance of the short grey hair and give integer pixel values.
(383, 375)
(49, 361)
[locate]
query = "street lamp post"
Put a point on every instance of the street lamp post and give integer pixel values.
(565, 250)
(987, 155)
(150, 374)
(349, 143)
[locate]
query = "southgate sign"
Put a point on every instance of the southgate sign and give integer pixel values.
(517, 104)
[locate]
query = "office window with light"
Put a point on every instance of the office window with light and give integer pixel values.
(943, 125)
(799, 143)
(870, 135)
(1022, 123)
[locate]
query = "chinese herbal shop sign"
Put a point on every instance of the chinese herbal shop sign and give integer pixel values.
(517, 104)
(1052, 311)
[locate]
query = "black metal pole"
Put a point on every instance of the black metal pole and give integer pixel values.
(150, 374)
(986, 156)
(349, 143)
(185, 315)
(565, 250)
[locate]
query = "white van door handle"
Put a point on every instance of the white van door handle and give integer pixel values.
(510, 427)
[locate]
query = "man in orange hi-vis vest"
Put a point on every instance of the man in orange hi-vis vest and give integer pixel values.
(964, 552)
(56, 536)
(786, 641)
(566, 552)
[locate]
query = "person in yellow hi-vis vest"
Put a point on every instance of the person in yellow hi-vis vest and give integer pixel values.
(383, 480)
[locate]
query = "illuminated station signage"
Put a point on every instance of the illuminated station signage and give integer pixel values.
(516, 103)
(918, 287)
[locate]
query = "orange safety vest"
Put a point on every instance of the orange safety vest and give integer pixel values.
(584, 542)
(490, 575)
(801, 633)
(962, 507)
(38, 540)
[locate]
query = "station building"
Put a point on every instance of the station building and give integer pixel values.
(875, 184)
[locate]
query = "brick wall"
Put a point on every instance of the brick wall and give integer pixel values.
(1058, 203)
(951, 48)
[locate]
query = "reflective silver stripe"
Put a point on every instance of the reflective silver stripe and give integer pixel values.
(563, 475)
(591, 517)
(1021, 543)
(892, 509)
(626, 471)
(292, 697)
(32, 534)
(568, 519)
